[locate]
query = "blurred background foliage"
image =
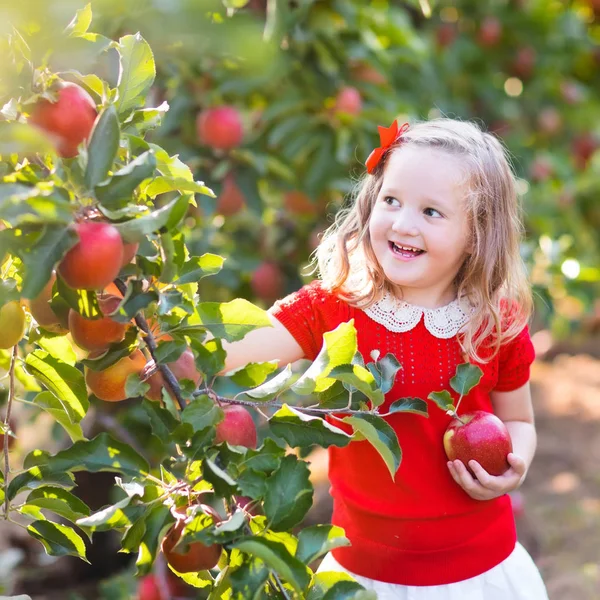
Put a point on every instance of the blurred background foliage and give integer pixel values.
(311, 80)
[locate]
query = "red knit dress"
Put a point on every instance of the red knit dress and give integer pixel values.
(420, 528)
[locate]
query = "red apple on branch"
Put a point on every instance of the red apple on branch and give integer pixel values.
(479, 436)
(96, 258)
(188, 558)
(68, 121)
(237, 428)
(220, 127)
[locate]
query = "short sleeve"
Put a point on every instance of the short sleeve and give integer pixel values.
(515, 360)
(309, 313)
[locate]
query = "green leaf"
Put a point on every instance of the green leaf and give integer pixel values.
(84, 302)
(44, 251)
(381, 436)
(163, 185)
(142, 120)
(385, 371)
(154, 520)
(302, 430)
(318, 540)
(202, 412)
(59, 501)
(115, 352)
(136, 74)
(103, 147)
(443, 399)
(58, 540)
(349, 590)
(276, 556)
(339, 347)
(230, 320)
(325, 581)
(63, 380)
(123, 183)
(22, 205)
(38, 476)
(466, 378)
(289, 494)
(198, 267)
(410, 405)
(253, 374)
(165, 218)
(103, 453)
(161, 420)
(116, 516)
(361, 379)
(80, 22)
(221, 481)
(273, 387)
(247, 580)
(52, 405)
(22, 139)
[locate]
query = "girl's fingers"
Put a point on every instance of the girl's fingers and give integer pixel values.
(517, 463)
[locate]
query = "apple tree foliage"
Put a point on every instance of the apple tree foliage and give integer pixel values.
(287, 67)
(168, 458)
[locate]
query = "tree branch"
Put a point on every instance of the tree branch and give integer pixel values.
(11, 395)
(273, 403)
(167, 374)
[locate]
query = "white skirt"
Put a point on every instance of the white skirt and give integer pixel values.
(516, 578)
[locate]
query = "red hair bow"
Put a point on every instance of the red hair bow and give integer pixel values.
(387, 137)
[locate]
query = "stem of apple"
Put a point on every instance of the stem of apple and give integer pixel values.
(457, 405)
(11, 395)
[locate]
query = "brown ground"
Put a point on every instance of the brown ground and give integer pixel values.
(561, 524)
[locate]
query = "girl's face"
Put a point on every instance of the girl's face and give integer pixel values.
(419, 227)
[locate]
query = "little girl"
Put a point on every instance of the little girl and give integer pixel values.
(426, 261)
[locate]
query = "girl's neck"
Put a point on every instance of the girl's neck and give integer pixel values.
(425, 298)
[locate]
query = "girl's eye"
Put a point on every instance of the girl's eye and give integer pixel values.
(431, 212)
(390, 200)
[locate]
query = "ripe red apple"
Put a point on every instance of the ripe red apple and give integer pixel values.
(550, 120)
(69, 120)
(148, 588)
(231, 200)
(348, 101)
(363, 71)
(96, 259)
(267, 282)
(490, 32)
(481, 436)
(182, 368)
(196, 557)
(237, 427)
(299, 203)
(583, 146)
(445, 35)
(524, 62)
(541, 168)
(97, 334)
(220, 127)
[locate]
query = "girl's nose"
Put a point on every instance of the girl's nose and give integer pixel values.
(405, 223)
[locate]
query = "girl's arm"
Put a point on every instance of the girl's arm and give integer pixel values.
(262, 345)
(516, 410)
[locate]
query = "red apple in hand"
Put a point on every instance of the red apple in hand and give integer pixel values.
(479, 436)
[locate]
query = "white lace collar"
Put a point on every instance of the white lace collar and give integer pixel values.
(399, 316)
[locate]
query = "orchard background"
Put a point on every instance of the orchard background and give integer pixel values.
(272, 105)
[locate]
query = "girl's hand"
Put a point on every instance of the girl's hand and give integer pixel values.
(485, 486)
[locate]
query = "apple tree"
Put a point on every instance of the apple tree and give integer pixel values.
(102, 304)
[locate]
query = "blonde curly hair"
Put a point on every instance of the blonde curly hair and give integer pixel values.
(492, 277)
